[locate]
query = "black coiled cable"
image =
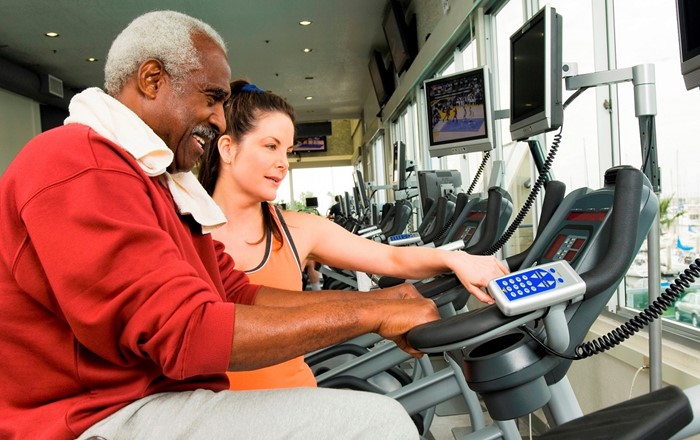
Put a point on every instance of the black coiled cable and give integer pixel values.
(478, 172)
(634, 324)
(643, 318)
(445, 228)
(530, 199)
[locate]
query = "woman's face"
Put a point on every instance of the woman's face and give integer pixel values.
(259, 161)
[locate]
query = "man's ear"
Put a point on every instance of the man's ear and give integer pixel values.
(151, 76)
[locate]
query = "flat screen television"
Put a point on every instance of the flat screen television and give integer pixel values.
(400, 36)
(312, 202)
(382, 79)
(460, 116)
(689, 38)
(536, 75)
(310, 144)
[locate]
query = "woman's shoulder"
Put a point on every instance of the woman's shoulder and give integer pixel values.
(311, 222)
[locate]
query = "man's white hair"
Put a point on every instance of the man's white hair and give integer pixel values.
(163, 35)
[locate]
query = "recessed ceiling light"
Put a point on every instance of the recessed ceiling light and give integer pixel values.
(309, 98)
(307, 50)
(91, 59)
(51, 34)
(305, 22)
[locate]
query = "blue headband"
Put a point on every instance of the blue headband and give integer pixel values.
(251, 88)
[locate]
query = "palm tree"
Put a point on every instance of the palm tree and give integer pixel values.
(667, 219)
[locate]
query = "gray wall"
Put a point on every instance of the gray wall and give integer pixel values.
(20, 120)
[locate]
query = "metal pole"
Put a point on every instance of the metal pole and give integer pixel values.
(654, 265)
(644, 80)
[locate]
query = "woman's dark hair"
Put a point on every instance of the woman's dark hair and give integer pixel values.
(242, 111)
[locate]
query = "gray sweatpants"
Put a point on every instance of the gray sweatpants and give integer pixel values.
(298, 413)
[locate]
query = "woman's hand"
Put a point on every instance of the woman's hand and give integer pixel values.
(475, 272)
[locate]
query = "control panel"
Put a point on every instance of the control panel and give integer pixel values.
(404, 239)
(536, 287)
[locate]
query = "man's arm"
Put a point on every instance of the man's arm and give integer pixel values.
(266, 335)
(286, 298)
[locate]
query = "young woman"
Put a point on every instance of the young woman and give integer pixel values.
(243, 171)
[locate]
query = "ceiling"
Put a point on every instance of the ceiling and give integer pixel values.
(264, 39)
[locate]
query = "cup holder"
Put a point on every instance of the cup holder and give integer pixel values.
(494, 346)
(508, 372)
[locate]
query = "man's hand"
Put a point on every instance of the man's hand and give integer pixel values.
(400, 316)
(401, 291)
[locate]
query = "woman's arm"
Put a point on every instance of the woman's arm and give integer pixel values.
(328, 243)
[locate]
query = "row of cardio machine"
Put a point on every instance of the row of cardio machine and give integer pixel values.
(452, 220)
(514, 355)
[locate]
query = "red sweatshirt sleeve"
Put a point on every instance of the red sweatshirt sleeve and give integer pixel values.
(123, 275)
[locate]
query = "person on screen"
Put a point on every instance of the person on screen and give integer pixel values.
(243, 171)
(120, 314)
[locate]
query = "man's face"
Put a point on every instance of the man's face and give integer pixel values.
(190, 114)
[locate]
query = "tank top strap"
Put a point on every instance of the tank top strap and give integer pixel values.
(285, 230)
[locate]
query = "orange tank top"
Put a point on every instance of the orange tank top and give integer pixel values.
(279, 268)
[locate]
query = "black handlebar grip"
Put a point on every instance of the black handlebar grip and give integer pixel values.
(623, 230)
(491, 221)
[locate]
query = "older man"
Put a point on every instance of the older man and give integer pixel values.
(120, 315)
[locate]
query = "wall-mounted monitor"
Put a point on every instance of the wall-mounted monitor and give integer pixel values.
(689, 37)
(536, 75)
(312, 202)
(400, 36)
(382, 79)
(460, 117)
(310, 144)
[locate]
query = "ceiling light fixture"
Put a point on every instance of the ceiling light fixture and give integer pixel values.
(307, 50)
(309, 98)
(305, 22)
(91, 59)
(51, 34)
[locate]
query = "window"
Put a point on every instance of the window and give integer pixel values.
(377, 169)
(304, 182)
(405, 129)
(516, 156)
(580, 141)
(676, 139)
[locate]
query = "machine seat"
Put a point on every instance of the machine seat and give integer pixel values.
(654, 416)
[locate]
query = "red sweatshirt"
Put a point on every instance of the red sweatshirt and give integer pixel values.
(106, 294)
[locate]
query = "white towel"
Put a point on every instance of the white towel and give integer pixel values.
(116, 122)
